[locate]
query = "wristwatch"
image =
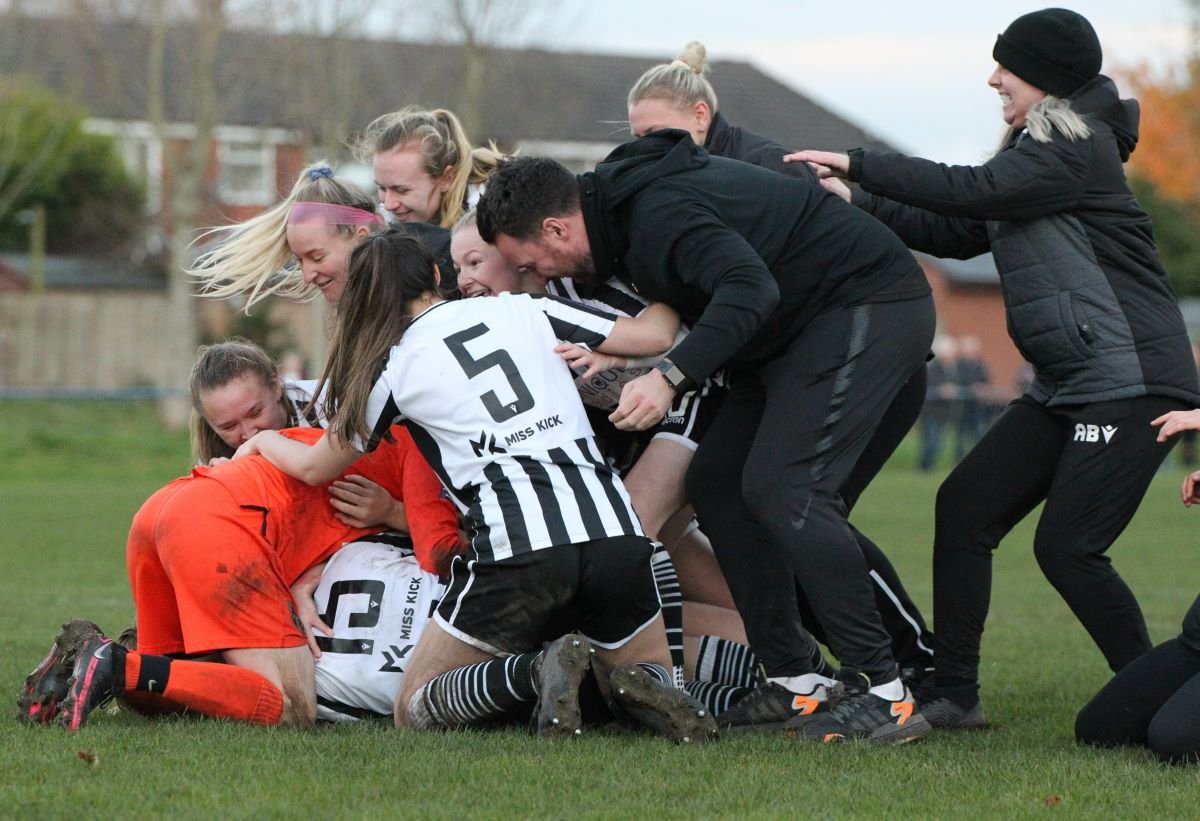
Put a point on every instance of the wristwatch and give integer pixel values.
(677, 379)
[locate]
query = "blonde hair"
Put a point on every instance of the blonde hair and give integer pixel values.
(215, 367)
(442, 143)
(485, 159)
(467, 220)
(253, 257)
(1048, 115)
(681, 81)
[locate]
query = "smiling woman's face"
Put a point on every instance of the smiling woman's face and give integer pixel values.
(324, 256)
(1016, 96)
(242, 407)
(406, 189)
(481, 269)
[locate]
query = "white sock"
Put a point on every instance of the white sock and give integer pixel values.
(419, 715)
(892, 691)
(806, 684)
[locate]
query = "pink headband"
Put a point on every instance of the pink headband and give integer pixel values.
(323, 213)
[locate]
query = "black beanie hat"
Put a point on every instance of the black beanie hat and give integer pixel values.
(1055, 50)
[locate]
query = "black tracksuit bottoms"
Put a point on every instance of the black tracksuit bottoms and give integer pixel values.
(1091, 464)
(1154, 701)
(766, 481)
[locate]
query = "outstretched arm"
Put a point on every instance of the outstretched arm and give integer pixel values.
(824, 163)
(1170, 424)
(650, 334)
(313, 465)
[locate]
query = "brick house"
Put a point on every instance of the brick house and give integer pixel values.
(969, 303)
(284, 100)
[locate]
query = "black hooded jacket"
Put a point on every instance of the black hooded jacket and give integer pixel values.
(727, 140)
(747, 256)
(1088, 302)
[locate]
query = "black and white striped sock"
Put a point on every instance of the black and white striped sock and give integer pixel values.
(474, 694)
(726, 662)
(671, 597)
(657, 671)
(715, 696)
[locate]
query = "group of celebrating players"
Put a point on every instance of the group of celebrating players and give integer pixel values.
(618, 485)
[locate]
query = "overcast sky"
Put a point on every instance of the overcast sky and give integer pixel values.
(910, 71)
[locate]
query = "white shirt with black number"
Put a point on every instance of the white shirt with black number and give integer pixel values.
(378, 601)
(495, 412)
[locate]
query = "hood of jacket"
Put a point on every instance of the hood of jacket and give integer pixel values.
(1099, 98)
(627, 170)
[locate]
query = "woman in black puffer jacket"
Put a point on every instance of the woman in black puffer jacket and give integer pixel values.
(1088, 304)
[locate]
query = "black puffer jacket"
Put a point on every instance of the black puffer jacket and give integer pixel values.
(1088, 302)
(747, 256)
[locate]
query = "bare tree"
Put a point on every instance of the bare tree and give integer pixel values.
(186, 175)
(184, 167)
(326, 73)
(479, 25)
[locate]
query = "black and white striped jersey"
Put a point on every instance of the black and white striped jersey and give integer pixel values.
(298, 393)
(613, 296)
(494, 411)
(603, 390)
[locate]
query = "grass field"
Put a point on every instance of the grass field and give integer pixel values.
(71, 476)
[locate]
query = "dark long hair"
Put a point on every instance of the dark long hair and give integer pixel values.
(387, 272)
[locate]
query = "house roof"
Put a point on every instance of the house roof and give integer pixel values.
(313, 83)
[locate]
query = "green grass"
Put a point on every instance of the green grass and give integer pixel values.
(72, 475)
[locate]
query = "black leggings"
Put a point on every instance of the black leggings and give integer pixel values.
(912, 643)
(1153, 701)
(1091, 464)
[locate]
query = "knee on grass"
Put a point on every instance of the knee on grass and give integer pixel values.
(1172, 741)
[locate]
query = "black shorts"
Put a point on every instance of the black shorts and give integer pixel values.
(686, 422)
(690, 416)
(604, 589)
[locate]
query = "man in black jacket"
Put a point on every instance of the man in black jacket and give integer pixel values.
(820, 314)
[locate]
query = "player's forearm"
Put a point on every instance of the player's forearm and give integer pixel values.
(397, 517)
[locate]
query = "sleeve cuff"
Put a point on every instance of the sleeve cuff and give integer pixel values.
(854, 172)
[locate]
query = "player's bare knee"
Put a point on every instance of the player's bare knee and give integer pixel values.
(297, 682)
(298, 713)
(299, 704)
